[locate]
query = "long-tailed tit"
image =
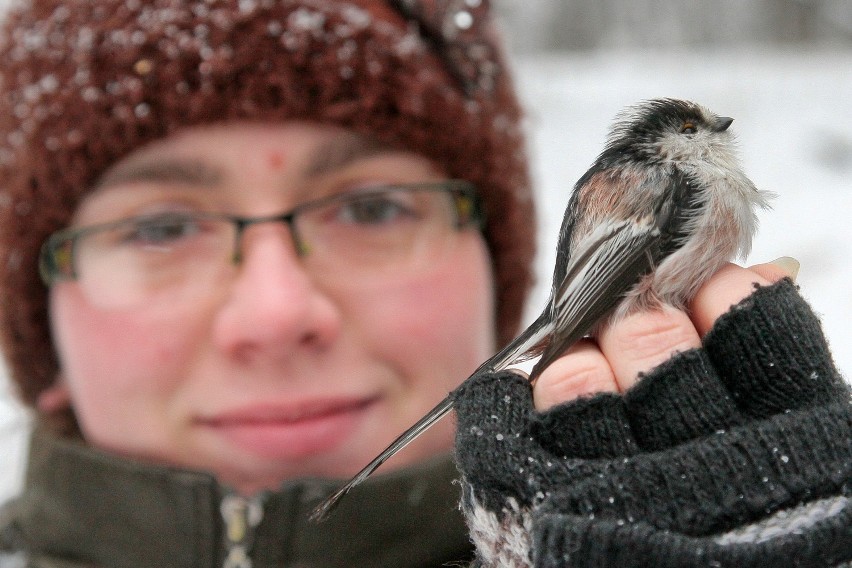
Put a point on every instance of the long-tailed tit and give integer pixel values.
(663, 207)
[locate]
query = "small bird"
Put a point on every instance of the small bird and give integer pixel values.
(663, 207)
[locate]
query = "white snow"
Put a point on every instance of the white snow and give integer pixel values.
(793, 118)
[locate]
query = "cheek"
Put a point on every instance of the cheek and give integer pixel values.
(107, 355)
(275, 160)
(440, 324)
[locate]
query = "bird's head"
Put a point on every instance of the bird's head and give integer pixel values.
(670, 130)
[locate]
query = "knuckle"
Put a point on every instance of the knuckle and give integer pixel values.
(661, 337)
(572, 376)
(648, 339)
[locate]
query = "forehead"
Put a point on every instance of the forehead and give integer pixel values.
(665, 113)
(298, 142)
(242, 164)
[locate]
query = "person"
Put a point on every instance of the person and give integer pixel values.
(244, 244)
(263, 257)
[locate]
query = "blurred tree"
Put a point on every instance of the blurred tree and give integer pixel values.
(534, 25)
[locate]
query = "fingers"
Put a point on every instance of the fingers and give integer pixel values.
(583, 370)
(777, 269)
(731, 285)
(642, 341)
(635, 345)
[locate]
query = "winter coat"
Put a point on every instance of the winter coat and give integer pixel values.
(84, 507)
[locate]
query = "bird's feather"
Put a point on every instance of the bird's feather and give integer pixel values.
(626, 222)
(608, 264)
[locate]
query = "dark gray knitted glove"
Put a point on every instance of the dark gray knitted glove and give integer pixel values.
(737, 454)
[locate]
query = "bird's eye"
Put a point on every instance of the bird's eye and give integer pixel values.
(688, 128)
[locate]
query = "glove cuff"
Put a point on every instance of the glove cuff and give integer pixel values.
(814, 535)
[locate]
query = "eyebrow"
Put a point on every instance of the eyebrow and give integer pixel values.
(329, 157)
(189, 172)
(342, 151)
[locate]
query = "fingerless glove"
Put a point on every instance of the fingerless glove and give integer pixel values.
(737, 454)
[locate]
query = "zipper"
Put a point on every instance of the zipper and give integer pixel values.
(241, 515)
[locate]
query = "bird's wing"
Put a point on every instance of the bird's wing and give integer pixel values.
(606, 264)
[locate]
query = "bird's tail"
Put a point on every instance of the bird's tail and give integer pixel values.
(327, 506)
(526, 346)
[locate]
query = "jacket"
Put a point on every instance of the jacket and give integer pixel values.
(84, 507)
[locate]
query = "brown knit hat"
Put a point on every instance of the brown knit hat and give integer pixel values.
(85, 82)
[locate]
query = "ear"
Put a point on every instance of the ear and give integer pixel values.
(54, 398)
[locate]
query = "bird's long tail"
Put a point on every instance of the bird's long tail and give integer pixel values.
(526, 346)
(441, 410)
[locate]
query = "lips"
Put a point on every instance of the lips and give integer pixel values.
(290, 431)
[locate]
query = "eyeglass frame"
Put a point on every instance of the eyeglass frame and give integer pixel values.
(53, 268)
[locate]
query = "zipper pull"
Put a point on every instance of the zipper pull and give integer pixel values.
(241, 516)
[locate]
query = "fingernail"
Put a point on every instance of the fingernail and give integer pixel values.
(789, 265)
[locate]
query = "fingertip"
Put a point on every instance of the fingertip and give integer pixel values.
(775, 270)
(583, 370)
(728, 287)
(519, 372)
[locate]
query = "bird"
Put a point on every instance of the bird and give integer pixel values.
(661, 209)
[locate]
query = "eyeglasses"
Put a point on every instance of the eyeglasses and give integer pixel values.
(356, 235)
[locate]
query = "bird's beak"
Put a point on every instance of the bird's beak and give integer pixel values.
(722, 123)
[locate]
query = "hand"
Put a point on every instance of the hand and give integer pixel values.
(643, 341)
(723, 454)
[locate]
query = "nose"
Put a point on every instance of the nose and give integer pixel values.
(273, 309)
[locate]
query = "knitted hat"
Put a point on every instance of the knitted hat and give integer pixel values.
(85, 82)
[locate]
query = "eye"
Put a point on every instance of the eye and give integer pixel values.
(688, 128)
(159, 230)
(375, 210)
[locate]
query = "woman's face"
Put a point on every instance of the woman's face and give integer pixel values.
(272, 372)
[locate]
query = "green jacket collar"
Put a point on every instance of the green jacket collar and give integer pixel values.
(84, 504)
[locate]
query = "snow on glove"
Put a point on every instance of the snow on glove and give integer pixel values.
(736, 454)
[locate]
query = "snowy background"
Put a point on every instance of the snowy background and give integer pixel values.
(784, 74)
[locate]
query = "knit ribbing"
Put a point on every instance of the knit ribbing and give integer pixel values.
(691, 467)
